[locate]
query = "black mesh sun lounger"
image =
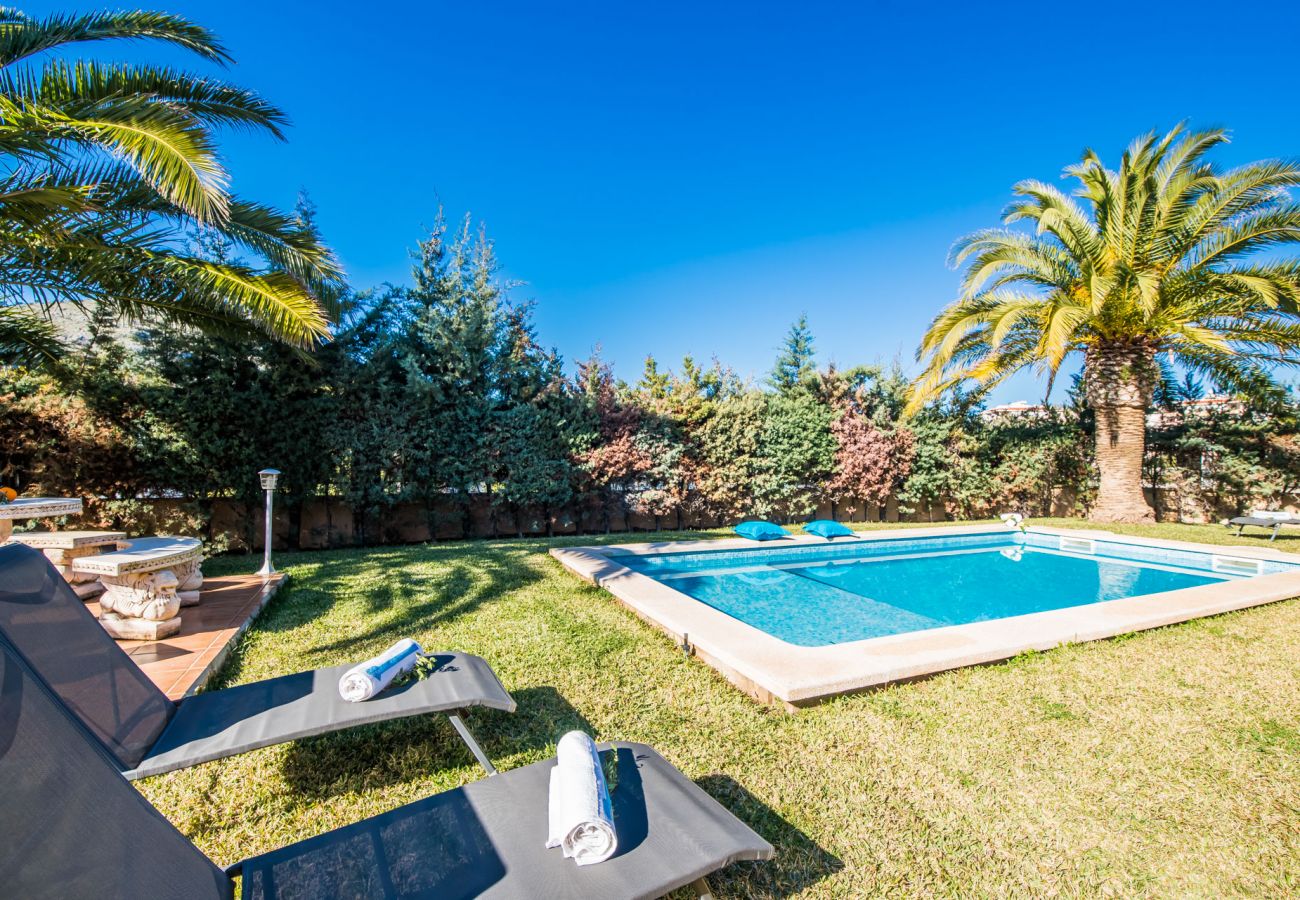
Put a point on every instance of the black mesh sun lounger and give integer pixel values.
(148, 734)
(1260, 522)
(74, 828)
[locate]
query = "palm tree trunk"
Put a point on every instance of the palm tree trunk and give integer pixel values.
(1120, 378)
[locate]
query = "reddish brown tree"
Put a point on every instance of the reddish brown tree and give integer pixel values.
(871, 463)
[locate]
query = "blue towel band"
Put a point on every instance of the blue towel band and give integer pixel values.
(377, 672)
(602, 787)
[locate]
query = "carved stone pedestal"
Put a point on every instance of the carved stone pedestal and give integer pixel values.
(145, 585)
(63, 548)
(140, 606)
(189, 579)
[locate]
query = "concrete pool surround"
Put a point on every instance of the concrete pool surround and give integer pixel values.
(775, 671)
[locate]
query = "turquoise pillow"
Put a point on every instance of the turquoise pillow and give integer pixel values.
(761, 531)
(827, 529)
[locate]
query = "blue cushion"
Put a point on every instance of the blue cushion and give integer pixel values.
(761, 531)
(827, 529)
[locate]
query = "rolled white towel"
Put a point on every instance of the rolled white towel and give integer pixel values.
(581, 814)
(365, 679)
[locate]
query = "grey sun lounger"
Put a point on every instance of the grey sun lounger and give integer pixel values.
(1261, 522)
(148, 734)
(73, 828)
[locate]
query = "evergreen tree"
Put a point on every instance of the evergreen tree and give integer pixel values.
(796, 456)
(654, 384)
(371, 426)
(796, 363)
(730, 461)
(531, 425)
(450, 349)
(930, 475)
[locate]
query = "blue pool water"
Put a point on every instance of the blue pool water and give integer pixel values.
(814, 595)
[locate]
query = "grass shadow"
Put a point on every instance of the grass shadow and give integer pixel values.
(406, 750)
(403, 593)
(800, 862)
(542, 717)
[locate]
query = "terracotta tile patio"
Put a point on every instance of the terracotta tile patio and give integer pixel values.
(183, 663)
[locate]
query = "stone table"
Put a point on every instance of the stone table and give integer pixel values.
(145, 585)
(35, 508)
(62, 548)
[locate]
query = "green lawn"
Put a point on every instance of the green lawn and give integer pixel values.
(1160, 764)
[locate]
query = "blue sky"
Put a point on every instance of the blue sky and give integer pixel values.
(678, 178)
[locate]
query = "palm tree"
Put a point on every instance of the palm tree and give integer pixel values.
(1169, 262)
(107, 172)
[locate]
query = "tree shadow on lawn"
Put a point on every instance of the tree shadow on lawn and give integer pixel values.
(1288, 541)
(405, 594)
(800, 862)
(406, 750)
(423, 600)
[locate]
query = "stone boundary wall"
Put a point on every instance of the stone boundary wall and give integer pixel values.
(330, 522)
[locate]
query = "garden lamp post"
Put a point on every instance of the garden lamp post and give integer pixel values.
(270, 478)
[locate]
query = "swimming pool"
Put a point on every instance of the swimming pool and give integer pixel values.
(851, 592)
(801, 619)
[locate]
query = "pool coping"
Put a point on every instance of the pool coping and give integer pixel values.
(774, 671)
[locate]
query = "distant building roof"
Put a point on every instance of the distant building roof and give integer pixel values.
(1015, 409)
(1212, 400)
(1185, 409)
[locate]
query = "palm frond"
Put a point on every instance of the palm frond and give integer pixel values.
(22, 36)
(82, 89)
(1247, 234)
(170, 149)
(1164, 252)
(1235, 374)
(1060, 334)
(1182, 160)
(112, 168)
(275, 301)
(28, 338)
(1053, 211)
(279, 238)
(1251, 188)
(1012, 257)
